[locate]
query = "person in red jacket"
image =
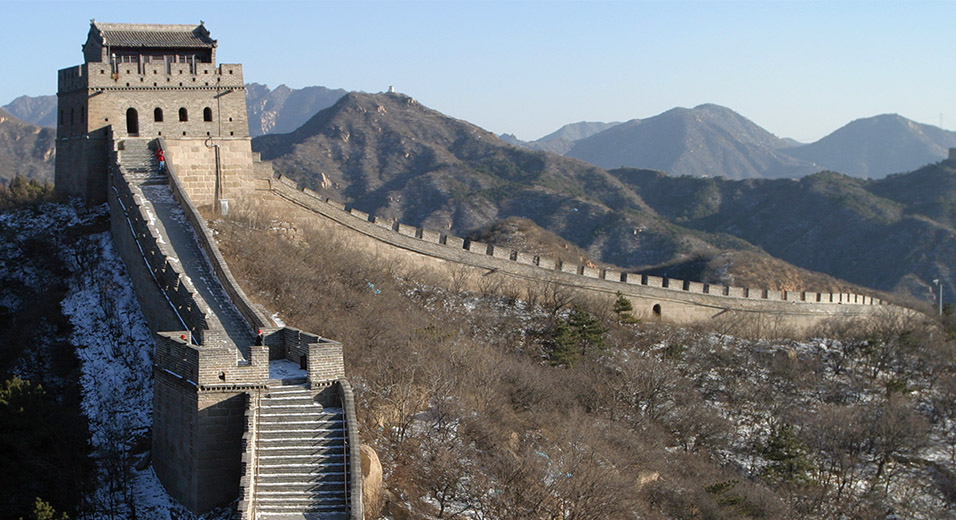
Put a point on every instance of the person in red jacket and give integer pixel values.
(161, 158)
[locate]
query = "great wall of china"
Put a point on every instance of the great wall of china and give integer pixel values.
(476, 265)
(242, 407)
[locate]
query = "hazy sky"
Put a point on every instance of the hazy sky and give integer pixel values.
(800, 69)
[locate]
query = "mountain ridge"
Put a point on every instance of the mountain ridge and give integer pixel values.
(866, 147)
(705, 141)
(469, 180)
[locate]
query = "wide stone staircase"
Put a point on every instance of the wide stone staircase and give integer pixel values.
(301, 458)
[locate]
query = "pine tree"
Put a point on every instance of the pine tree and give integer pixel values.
(787, 455)
(574, 337)
(623, 307)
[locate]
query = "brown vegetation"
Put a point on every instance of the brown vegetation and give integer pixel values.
(460, 396)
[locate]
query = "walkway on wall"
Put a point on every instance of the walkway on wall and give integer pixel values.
(173, 228)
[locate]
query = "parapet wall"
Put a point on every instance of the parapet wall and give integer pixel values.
(194, 161)
(185, 198)
(675, 300)
(149, 75)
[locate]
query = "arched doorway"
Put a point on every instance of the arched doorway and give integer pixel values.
(657, 310)
(132, 123)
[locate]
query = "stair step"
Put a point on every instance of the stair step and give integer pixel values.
(332, 460)
(278, 498)
(317, 418)
(302, 477)
(299, 451)
(290, 397)
(304, 508)
(328, 515)
(290, 406)
(305, 437)
(301, 487)
(301, 468)
(278, 422)
(288, 389)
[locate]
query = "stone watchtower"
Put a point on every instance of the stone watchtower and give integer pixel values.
(155, 81)
(224, 426)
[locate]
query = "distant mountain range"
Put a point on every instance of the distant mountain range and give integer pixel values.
(878, 146)
(714, 141)
(704, 141)
(562, 139)
(388, 155)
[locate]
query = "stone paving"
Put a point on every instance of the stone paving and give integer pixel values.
(173, 228)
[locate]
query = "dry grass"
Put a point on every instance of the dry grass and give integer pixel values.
(467, 416)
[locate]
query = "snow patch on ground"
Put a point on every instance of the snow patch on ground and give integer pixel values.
(285, 369)
(116, 348)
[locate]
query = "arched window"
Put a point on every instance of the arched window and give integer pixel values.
(207, 114)
(657, 310)
(183, 116)
(132, 122)
(158, 115)
(62, 117)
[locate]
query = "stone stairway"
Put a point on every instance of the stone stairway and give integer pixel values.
(140, 163)
(301, 458)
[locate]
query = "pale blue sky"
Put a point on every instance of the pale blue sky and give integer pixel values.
(800, 69)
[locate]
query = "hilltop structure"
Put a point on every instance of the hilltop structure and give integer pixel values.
(242, 408)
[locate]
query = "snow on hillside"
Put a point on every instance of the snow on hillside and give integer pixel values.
(115, 346)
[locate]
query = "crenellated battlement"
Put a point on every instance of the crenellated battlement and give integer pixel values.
(104, 76)
(653, 297)
(499, 257)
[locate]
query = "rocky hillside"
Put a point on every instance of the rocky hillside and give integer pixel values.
(25, 150)
(706, 141)
(578, 413)
(284, 109)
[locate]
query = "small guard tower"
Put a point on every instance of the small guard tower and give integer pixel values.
(153, 81)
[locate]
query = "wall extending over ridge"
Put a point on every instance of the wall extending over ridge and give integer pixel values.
(478, 265)
(204, 388)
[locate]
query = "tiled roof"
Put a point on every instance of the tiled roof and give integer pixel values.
(150, 35)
